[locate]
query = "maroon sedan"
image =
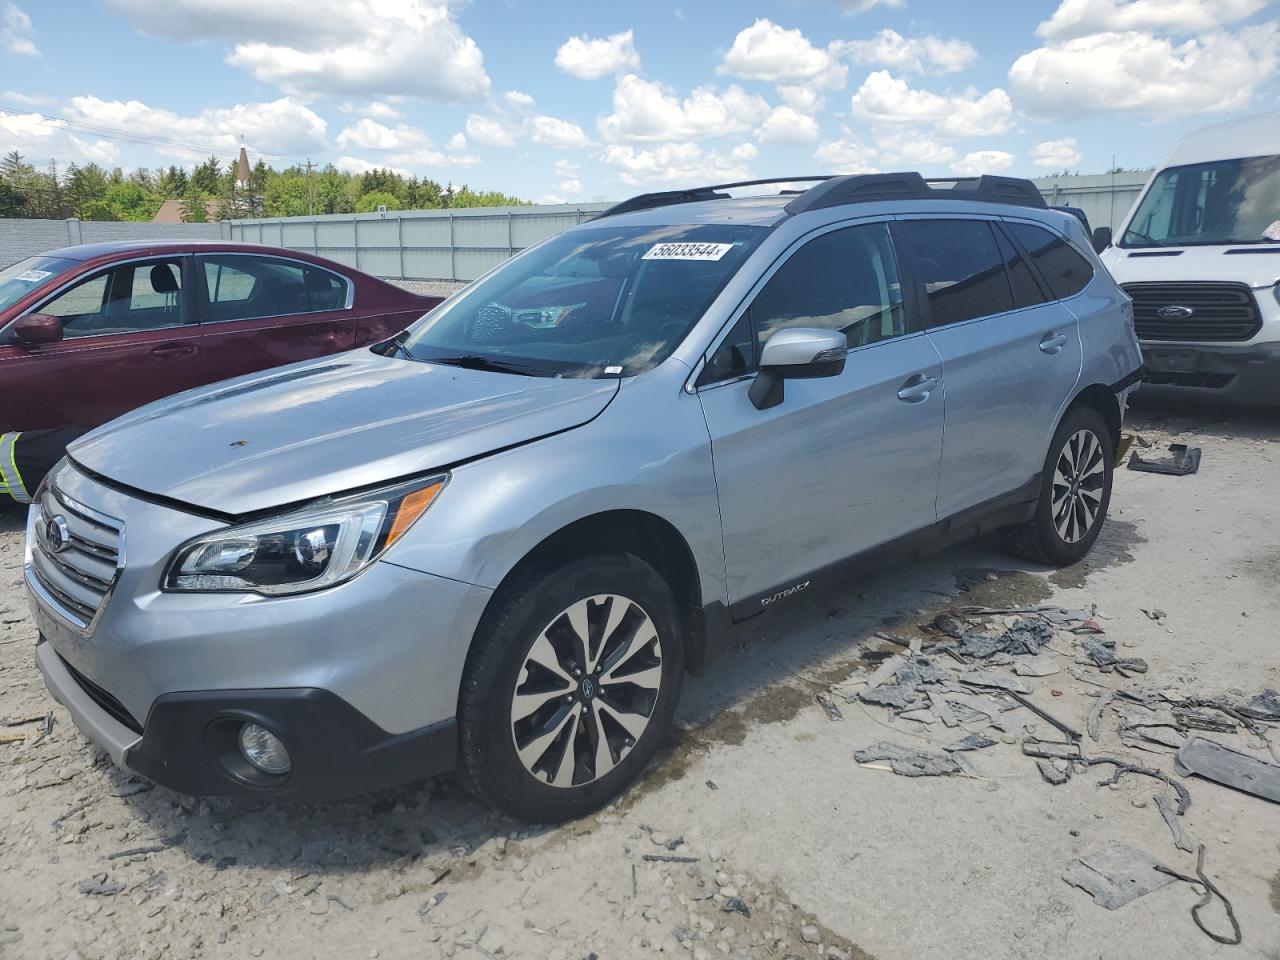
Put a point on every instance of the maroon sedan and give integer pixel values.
(90, 332)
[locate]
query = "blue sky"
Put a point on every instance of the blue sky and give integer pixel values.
(561, 101)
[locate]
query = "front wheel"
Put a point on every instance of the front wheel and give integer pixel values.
(1075, 494)
(570, 688)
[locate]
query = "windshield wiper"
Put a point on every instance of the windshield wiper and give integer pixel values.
(1148, 241)
(394, 346)
(469, 361)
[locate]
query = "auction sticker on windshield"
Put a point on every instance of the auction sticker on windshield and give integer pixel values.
(35, 276)
(687, 251)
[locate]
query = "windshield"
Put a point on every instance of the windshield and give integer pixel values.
(1227, 201)
(21, 278)
(591, 302)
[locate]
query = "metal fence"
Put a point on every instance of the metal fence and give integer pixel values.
(459, 244)
(20, 239)
(1105, 199)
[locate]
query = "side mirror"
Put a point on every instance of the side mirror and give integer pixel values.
(797, 353)
(1101, 238)
(37, 328)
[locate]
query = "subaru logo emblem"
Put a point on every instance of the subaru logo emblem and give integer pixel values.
(56, 534)
(1174, 312)
(588, 688)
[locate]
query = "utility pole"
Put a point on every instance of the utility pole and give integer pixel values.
(311, 194)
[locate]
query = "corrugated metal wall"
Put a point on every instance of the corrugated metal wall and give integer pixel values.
(1105, 199)
(20, 239)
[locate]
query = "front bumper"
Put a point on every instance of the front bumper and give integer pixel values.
(189, 742)
(1248, 374)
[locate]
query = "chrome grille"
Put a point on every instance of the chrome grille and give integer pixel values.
(75, 578)
(1218, 311)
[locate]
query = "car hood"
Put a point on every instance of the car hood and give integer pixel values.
(323, 427)
(1259, 267)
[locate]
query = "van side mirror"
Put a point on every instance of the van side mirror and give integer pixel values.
(1101, 238)
(797, 353)
(37, 328)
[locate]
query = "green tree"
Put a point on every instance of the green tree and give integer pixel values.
(286, 195)
(369, 202)
(193, 207)
(207, 177)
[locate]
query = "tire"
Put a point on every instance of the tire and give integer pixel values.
(1056, 535)
(519, 716)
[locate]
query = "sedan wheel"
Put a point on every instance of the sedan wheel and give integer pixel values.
(586, 691)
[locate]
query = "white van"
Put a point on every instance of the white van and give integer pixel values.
(1199, 253)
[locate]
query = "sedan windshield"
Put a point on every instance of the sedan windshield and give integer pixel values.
(23, 277)
(591, 302)
(1227, 201)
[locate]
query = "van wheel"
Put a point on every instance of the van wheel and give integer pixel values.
(1075, 496)
(570, 687)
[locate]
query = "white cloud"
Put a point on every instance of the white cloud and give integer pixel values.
(368, 134)
(888, 48)
(907, 150)
(591, 59)
(766, 51)
(1058, 154)
(851, 7)
(678, 163)
(846, 155)
(281, 127)
(349, 164)
(647, 111)
(1138, 71)
(885, 99)
(519, 101)
(787, 125)
(491, 131)
(983, 161)
(457, 142)
(801, 96)
(572, 185)
(1075, 18)
(15, 31)
(554, 132)
(40, 140)
(566, 168)
(354, 47)
(379, 110)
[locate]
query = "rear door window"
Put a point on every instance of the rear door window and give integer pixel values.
(250, 288)
(1065, 270)
(1026, 289)
(959, 266)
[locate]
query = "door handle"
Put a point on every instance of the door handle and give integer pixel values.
(917, 388)
(1053, 343)
(173, 351)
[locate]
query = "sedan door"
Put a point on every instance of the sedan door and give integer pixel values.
(262, 311)
(129, 337)
(843, 464)
(1010, 358)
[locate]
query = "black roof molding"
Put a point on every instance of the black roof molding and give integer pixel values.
(835, 191)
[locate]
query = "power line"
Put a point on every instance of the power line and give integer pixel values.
(140, 137)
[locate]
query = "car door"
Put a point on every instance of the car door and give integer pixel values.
(261, 311)
(1010, 363)
(844, 463)
(129, 337)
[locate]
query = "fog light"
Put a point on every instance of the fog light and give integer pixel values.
(264, 749)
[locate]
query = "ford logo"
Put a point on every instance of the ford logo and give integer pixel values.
(1174, 312)
(56, 534)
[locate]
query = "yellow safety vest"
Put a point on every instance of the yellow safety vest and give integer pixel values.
(10, 478)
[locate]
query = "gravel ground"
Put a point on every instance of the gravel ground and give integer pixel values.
(796, 849)
(430, 288)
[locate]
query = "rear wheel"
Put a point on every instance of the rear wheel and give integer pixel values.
(1075, 493)
(570, 688)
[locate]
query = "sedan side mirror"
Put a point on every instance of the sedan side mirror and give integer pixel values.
(37, 328)
(1101, 238)
(797, 353)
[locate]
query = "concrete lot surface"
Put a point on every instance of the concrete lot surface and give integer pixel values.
(759, 789)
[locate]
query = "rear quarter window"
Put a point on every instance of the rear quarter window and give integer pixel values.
(1065, 270)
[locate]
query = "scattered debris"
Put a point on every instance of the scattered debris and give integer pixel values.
(1054, 772)
(736, 905)
(1095, 715)
(909, 763)
(100, 886)
(974, 741)
(1213, 761)
(1265, 706)
(1123, 766)
(1046, 716)
(1181, 461)
(1180, 839)
(1193, 719)
(668, 858)
(1116, 874)
(1211, 891)
(1102, 653)
(1155, 613)
(829, 707)
(1051, 750)
(1041, 666)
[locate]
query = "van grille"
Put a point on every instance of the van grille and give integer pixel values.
(1220, 311)
(77, 578)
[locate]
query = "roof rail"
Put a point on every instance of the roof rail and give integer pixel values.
(862, 188)
(834, 191)
(665, 198)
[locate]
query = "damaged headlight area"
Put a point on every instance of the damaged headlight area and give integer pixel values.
(307, 550)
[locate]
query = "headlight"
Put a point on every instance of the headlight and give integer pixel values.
(307, 550)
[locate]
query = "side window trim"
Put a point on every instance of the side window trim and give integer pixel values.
(912, 322)
(185, 304)
(205, 306)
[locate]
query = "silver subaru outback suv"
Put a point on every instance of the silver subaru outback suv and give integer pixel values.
(497, 542)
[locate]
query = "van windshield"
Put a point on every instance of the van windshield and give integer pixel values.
(1226, 201)
(590, 302)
